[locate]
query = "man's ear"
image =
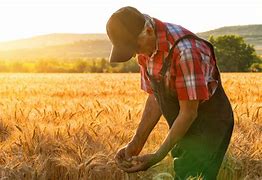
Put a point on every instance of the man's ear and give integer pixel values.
(150, 31)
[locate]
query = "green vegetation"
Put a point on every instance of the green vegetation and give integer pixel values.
(234, 54)
(78, 53)
(81, 65)
(252, 34)
(92, 46)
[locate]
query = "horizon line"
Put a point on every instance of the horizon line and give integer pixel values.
(99, 33)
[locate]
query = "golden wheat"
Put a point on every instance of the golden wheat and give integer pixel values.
(69, 126)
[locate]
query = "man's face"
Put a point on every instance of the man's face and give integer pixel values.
(146, 42)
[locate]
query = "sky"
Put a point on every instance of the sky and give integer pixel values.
(28, 18)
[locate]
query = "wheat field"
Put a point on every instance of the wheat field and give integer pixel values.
(69, 126)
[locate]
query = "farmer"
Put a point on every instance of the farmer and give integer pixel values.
(179, 72)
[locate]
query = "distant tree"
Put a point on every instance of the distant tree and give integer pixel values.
(256, 67)
(130, 66)
(104, 65)
(3, 66)
(81, 66)
(18, 67)
(233, 54)
(93, 66)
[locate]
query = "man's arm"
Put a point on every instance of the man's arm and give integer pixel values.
(150, 117)
(186, 116)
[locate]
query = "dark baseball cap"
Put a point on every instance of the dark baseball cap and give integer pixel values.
(123, 28)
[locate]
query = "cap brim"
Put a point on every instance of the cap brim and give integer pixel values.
(121, 53)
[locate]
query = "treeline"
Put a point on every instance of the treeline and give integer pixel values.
(232, 52)
(235, 55)
(80, 65)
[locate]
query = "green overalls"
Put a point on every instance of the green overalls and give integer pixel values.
(201, 150)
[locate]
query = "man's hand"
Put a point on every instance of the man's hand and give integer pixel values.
(141, 163)
(150, 117)
(122, 159)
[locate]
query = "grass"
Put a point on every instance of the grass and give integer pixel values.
(69, 126)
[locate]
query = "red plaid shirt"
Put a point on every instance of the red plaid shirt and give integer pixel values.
(192, 64)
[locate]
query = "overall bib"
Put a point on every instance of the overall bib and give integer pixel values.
(201, 150)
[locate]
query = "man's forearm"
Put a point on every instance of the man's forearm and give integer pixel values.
(186, 116)
(177, 131)
(150, 117)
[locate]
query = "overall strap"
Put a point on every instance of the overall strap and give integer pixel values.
(168, 59)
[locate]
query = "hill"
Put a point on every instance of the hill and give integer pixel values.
(64, 46)
(73, 46)
(74, 50)
(49, 40)
(251, 33)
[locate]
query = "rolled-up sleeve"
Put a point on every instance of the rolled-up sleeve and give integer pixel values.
(190, 78)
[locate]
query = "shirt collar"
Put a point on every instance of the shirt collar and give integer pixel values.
(162, 43)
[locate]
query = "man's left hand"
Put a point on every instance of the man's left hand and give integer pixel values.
(141, 163)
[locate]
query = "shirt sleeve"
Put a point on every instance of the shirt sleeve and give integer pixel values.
(145, 82)
(190, 78)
